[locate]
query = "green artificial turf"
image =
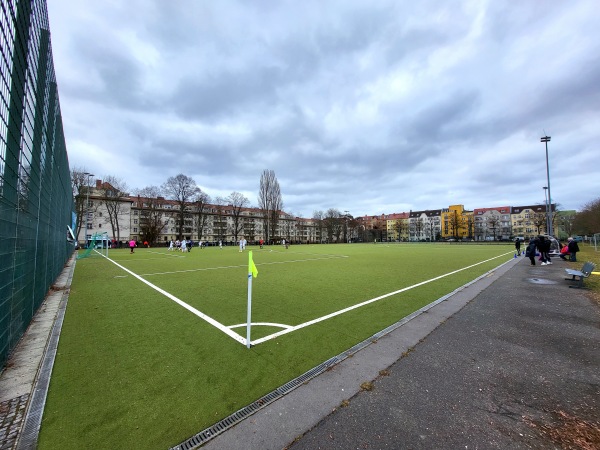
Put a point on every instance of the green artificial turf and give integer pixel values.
(136, 370)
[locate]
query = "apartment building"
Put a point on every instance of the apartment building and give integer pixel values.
(398, 226)
(125, 217)
(491, 224)
(457, 223)
(425, 225)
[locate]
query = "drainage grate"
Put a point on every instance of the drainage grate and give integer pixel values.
(33, 419)
(228, 422)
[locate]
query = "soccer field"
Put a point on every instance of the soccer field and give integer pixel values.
(153, 347)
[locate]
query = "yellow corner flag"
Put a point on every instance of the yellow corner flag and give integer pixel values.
(251, 267)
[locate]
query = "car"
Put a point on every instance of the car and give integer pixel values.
(578, 238)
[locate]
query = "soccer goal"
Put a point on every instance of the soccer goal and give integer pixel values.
(97, 244)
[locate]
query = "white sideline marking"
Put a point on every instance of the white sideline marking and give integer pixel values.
(350, 308)
(193, 310)
(240, 265)
(266, 324)
(166, 254)
(286, 328)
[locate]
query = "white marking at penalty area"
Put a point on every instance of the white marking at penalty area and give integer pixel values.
(350, 308)
(191, 309)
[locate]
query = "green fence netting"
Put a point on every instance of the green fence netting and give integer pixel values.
(35, 186)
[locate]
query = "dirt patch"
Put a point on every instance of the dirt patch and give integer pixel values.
(568, 431)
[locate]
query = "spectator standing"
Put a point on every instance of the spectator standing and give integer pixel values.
(518, 246)
(541, 247)
(530, 250)
(573, 249)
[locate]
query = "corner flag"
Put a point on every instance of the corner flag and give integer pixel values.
(251, 267)
(252, 272)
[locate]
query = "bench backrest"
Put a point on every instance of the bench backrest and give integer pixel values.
(588, 268)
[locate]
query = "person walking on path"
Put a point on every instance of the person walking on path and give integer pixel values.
(530, 250)
(573, 249)
(131, 245)
(541, 246)
(518, 246)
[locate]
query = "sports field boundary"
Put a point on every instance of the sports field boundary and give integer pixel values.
(208, 434)
(228, 329)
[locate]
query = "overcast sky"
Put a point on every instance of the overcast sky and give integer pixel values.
(366, 106)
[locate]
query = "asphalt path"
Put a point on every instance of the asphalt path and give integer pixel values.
(517, 367)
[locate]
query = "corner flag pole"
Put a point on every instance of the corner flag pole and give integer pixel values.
(252, 271)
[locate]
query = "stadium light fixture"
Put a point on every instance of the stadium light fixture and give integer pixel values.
(546, 139)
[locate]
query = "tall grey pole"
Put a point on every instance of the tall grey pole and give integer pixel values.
(546, 139)
(547, 207)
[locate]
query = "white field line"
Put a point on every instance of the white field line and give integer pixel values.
(266, 324)
(350, 308)
(283, 252)
(166, 253)
(193, 310)
(240, 265)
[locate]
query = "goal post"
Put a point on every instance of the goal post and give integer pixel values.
(97, 244)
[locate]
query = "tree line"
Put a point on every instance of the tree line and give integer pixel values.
(182, 192)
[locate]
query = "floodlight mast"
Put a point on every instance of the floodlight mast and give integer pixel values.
(546, 139)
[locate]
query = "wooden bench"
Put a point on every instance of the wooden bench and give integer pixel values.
(579, 275)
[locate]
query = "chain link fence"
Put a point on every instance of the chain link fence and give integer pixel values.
(36, 199)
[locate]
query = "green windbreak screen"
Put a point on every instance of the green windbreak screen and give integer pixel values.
(35, 186)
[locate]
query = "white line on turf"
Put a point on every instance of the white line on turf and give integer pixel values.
(350, 308)
(265, 324)
(166, 254)
(241, 265)
(193, 310)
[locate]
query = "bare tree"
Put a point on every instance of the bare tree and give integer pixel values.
(401, 228)
(318, 218)
(379, 230)
(417, 227)
(201, 214)
(182, 189)
(220, 222)
(152, 213)
(454, 223)
(587, 221)
(470, 225)
(80, 185)
(237, 202)
(353, 226)
(113, 196)
(539, 221)
(269, 202)
(492, 223)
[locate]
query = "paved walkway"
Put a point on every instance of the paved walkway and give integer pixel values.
(511, 361)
